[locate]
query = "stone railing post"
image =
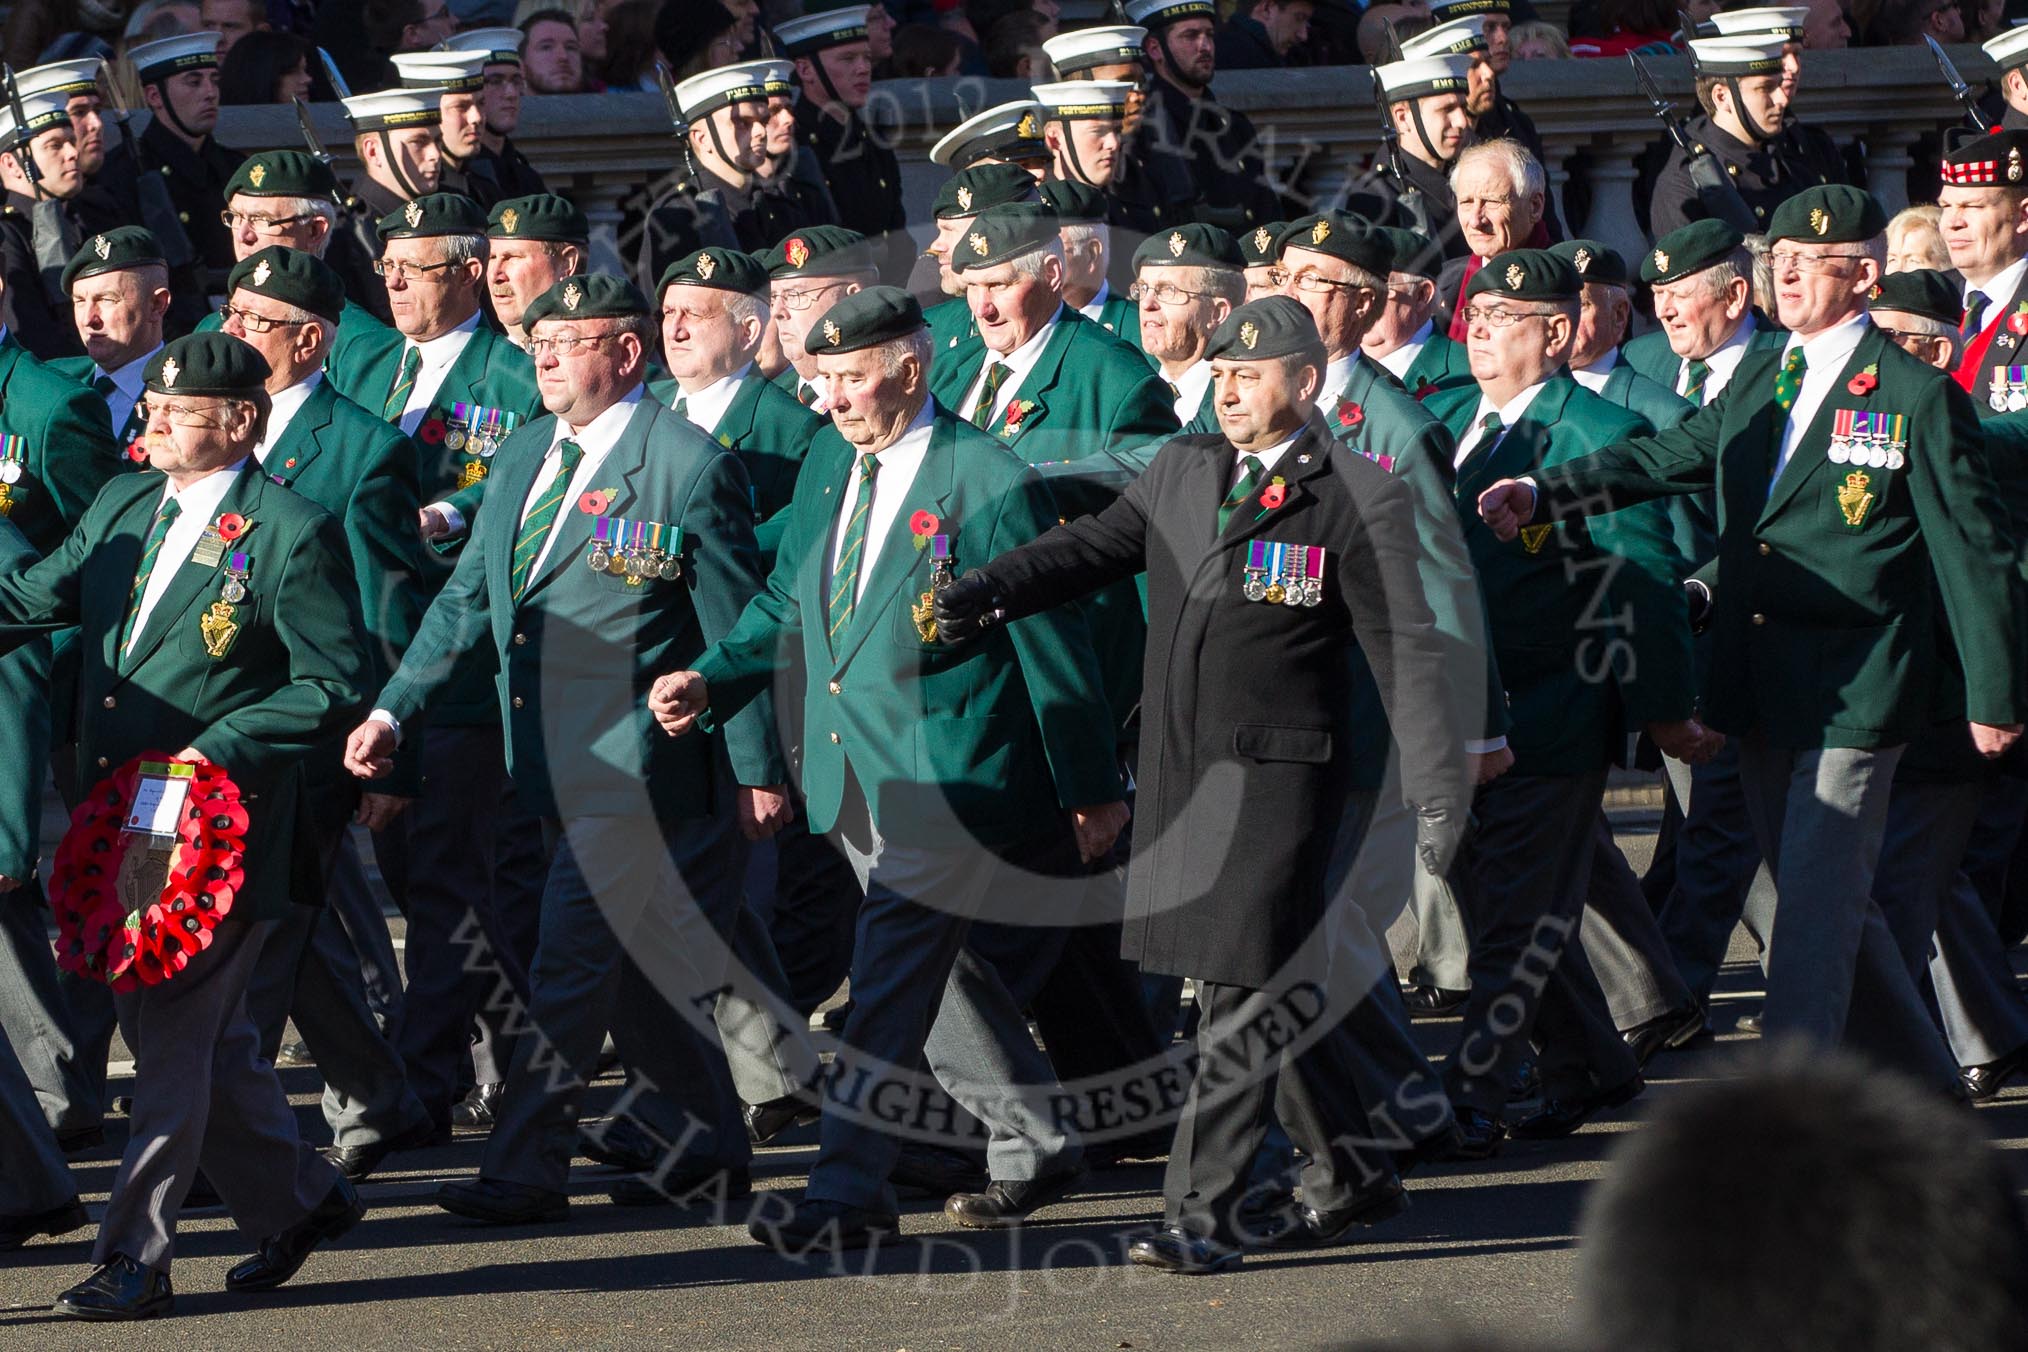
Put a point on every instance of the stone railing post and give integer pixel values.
(1611, 173)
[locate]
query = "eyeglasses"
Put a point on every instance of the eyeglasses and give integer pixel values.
(1317, 284)
(252, 322)
(184, 415)
(1167, 293)
(233, 220)
(1501, 317)
(1781, 259)
(564, 346)
(407, 271)
(506, 81)
(1906, 336)
(802, 300)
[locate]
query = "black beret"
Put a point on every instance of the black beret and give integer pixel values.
(283, 173)
(439, 213)
(970, 191)
(1526, 274)
(207, 363)
(719, 269)
(1343, 236)
(1259, 246)
(1593, 260)
(1919, 291)
(1980, 160)
(538, 216)
(1077, 203)
(120, 248)
(868, 318)
(1000, 234)
(1689, 250)
(292, 277)
(1416, 255)
(821, 251)
(589, 295)
(1273, 326)
(1189, 246)
(1828, 214)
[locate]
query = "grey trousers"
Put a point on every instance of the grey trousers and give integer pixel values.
(766, 1039)
(356, 903)
(1718, 863)
(33, 1175)
(1622, 940)
(205, 1098)
(1443, 947)
(35, 1017)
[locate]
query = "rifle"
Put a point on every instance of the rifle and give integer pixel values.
(338, 85)
(1957, 83)
(310, 141)
(151, 192)
(1407, 197)
(1714, 186)
(50, 235)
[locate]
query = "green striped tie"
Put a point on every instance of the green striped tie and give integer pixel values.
(845, 577)
(156, 535)
(535, 528)
(396, 402)
(1789, 380)
(996, 375)
(1695, 372)
(1241, 491)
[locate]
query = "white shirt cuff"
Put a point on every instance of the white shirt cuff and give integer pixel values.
(383, 716)
(453, 518)
(1485, 746)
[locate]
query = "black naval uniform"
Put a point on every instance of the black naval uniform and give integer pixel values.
(1439, 204)
(1151, 190)
(1243, 45)
(33, 316)
(1219, 149)
(355, 244)
(1764, 176)
(865, 182)
(691, 210)
(471, 178)
(196, 180)
(511, 170)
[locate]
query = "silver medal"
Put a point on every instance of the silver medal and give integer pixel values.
(1839, 453)
(234, 590)
(455, 439)
(1895, 460)
(598, 559)
(1997, 401)
(1254, 588)
(10, 471)
(670, 568)
(2017, 399)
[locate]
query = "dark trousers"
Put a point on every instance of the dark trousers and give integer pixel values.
(1718, 864)
(812, 908)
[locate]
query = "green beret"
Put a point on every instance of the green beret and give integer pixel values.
(868, 318)
(1273, 326)
(1002, 234)
(1919, 291)
(538, 216)
(588, 295)
(439, 213)
(1829, 214)
(970, 191)
(120, 248)
(1526, 274)
(1416, 255)
(1689, 250)
(292, 277)
(1341, 235)
(820, 251)
(1259, 247)
(1593, 260)
(1189, 246)
(719, 269)
(207, 363)
(1076, 203)
(283, 173)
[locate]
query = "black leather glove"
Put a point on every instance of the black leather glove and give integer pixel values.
(966, 609)
(1439, 827)
(1698, 597)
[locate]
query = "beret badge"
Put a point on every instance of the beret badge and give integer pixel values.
(572, 296)
(1176, 244)
(1581, 260)
(510, 220)
(978, 243)
(1661, 261)
(706, 265)
(964, 199)
(831, 332)
(170, 370)
(797, 252)
(1820, 220)
(1320, 232)
(1515, 276)
(413, 214)
(258, 174)
(1249, 336)
(1261, 240)
(102, 247)
(262, 271)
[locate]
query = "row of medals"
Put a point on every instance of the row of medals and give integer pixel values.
(1292, 588)
(636, 563)
(1861, 451)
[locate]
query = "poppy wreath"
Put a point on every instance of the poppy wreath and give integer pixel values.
(98, 936)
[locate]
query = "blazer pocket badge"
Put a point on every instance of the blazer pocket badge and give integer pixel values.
(1855, 498)
(1283, 574)
(924, 610)
(219, 625)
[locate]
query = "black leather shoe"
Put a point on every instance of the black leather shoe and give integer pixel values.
(932, 1171)
(1444, 1145)
(1664, 1032)
(1175, 1250)
(765, 1121)
(1524, 1080)
(683, 1187)
(1480, 1135)
(357, 1162)
(1749, 1023)
(78, 1141)
(120, 1290)
(61, 1220)
(497, 1202)
(1432, 1002)
(622, 1143)
(479, 1108)
(294, 1054)
(824, 1227)
(1004, 1205)
(1314, 1229)
(281, 1257)
(1985, 1082)
(1560, 1116)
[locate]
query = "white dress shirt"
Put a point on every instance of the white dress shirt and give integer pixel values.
(1593, 377)
(437, 356)
(196, 508)
(1091, 308)
(1019, 363)
(1824, 358)
(1398, 361)
(1510, 413)
(708, 405)
(1998, 290)
(596, 439)
(1720, 365)
(128, 387)
(285, 407)
(1337, 375)
(895, 475)
(1190, 386)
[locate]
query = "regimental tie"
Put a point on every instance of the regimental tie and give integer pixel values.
(1695, 372)
(996, 376)
(1490, 428)
(851, 549)
(1975, 313)
(806, 394)
(158, 533)
(535, 528)
(1789, 380)
(1251, 470)
(396, 402)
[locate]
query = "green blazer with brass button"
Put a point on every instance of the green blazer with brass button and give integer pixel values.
(360, 344)
(1651, 355)
(290, 681)
(989, 742)
(67, 443)
(1122, 319)
(578, 652)
(770, 431)
(1825, 633)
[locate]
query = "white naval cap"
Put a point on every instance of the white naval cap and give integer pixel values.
(1424, 76)
(1757, 54)
(1020, 120)
(393, 109)
(456, 72)
(1783, 20)
(60, 77)
(2010, 49)
(1459, 37)
(815, 32)
(1064, 100)
(164, 57)
(1113, 45)
(702, 95)
(39, 111)
(499, 44)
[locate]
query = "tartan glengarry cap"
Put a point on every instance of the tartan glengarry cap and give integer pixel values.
(719, 269)
(1416, 255)
(1594, 261)
(207, 363)
(1526, 274)
(1075, 203)
(1195, 245)
(1002, 234)
(283, 173)
(1919, 291)
(1273, 326)
(1996, 159)
(438, 213)
(868, 318)
(971, 191)
(820, 251)
(538, 216)
(1351, 239)
(1688, 250)
(588, 295)
(120, 248)
(1260, 246)
(291, 277)
(1828, 214)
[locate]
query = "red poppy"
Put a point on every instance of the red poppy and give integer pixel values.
(1350, 414)
(231, 526)
(1016, 412)
(594, 503)
(1863, 384)
(137, 452)
(431, 432)
(1274, 495)
(923, 523)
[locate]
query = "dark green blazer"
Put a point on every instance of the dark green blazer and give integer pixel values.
(1651, 355)
(1206, 419)
(24, 733)
(578, 652)
(1825, 633)
(1439, 361)
(1122, 319)
(1587, 614)
(361, 342)
(69, 452)
(770, 431)
(951, 326)
(291, 680)
(987, 742)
